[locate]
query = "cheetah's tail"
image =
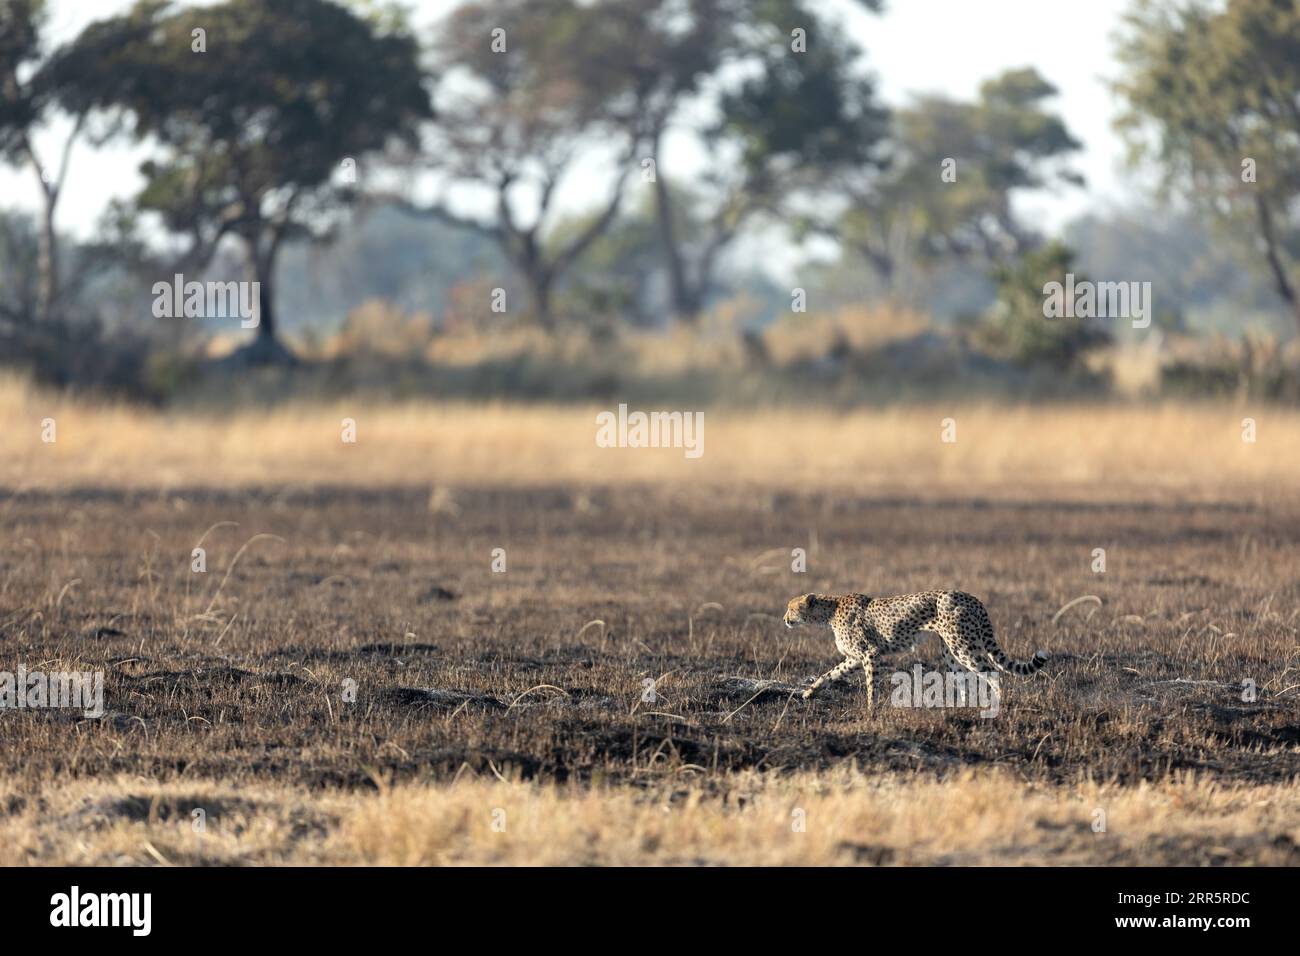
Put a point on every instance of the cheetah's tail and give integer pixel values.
(1010, 665)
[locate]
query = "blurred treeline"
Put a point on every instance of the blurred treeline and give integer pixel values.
(687, 198)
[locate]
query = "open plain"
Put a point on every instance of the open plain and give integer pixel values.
(422, 649)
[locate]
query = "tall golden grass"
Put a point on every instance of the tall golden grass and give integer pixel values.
(1184, 449)
(837, 817)
(380, 327)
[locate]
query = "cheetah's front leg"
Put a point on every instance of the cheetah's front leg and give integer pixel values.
(835, 673)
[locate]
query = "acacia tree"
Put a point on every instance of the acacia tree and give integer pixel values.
(255, 105)
(20, 48)
(33, 85)
(1211, 93)
(525, 91)
(953, 170)
(529, 85)
(802, 111)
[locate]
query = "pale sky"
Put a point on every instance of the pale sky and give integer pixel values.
(916, 46)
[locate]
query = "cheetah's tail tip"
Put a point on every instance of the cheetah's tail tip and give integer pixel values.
(1031, 666)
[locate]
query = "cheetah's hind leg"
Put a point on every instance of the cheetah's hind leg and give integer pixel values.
(959, 661)
(954, 667)
(868, 670)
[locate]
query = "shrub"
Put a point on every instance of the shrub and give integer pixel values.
(1016, 328)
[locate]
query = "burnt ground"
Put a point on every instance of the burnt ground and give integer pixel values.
(246, 672)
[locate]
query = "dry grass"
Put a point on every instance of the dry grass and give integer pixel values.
(805, 337)
(1131, 450)
(380, 327)
(522, 690)
(831, 818)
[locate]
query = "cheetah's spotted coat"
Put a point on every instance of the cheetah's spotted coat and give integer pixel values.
(864, 627)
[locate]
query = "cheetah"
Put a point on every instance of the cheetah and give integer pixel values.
(864, 627)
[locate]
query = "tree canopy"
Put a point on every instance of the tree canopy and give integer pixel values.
(256, 105)
(1211, 98)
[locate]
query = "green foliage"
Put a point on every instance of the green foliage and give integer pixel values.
(1208, 87)
(20, 46)
(283, 92)
(18, 255)
(1209, 90)
(1005, 140)
(1016, 327)
(812, 112)
(780, 122)
(254, 127)
(527, 84)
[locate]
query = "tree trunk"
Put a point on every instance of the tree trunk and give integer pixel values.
(539, 288)
(265, 349)
(882, 262)
(47, 264)
(1274, 257)
(265, 300)
(49, 287)
(685, 308)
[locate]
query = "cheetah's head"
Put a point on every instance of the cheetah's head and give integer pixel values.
(809, 609)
